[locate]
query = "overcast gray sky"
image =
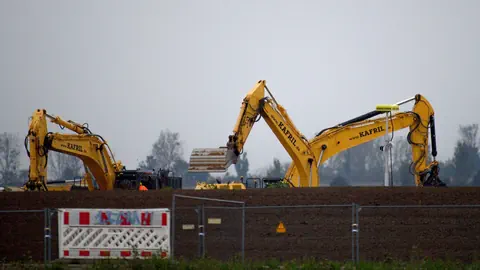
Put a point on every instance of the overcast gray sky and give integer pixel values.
(133, 68)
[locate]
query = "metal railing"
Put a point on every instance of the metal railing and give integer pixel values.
(226, 229)
(417, 231)
(16, 237)
(200, 211)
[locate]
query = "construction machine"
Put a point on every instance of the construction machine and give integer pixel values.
(255, 106)
(362, 129)
(251, 182)
(102, 171)
(307, 155)
(229, 186)
(265, 182)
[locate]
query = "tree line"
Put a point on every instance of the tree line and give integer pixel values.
(360, 165)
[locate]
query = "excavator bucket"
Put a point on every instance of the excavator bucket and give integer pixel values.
(208, 160)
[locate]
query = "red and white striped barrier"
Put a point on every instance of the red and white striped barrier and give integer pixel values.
(114, 233)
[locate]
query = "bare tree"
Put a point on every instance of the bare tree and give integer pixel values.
(65, 167)
(9, 158)
(166, 152)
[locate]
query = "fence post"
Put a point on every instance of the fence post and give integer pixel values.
(243, 233)
(172, 230)
(358, 208)
(353, 232)
(52, 213)
(203, 230)
(199, 228)
(46, 236)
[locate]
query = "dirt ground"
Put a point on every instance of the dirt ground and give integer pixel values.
(319, 231)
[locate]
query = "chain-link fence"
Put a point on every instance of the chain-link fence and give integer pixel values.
(23, 235)
(447, 232)
(225, 230)
(207, 227)
(300, 231)
(282, 232)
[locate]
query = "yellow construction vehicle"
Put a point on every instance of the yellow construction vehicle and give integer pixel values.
(256, 105)
(251, 182)
(91, 148)
(307, 155)
(229, 186)
(362, 129)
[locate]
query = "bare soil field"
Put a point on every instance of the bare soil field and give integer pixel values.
(322, 232)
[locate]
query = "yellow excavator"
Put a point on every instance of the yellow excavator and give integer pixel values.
(254, 106)
(92, 149)
(362, 129)
(307, 155)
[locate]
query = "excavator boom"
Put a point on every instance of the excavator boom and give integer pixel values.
(219, 159)
(256, 105)
(362, 129)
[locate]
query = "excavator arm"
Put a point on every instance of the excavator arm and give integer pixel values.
(255, 106)
(92, 149)
(359, 130)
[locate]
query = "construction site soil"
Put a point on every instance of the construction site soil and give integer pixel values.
(319, 231)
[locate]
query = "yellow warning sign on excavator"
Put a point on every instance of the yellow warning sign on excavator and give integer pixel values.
(281, 228)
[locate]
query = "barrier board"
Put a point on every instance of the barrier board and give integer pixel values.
(114, 233)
